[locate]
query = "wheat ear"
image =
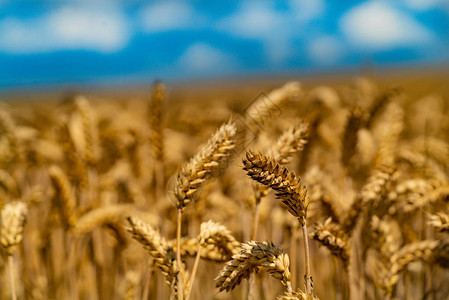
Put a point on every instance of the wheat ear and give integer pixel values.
(13, 218)
(292, 140)
(440, 221)
(349, 139)
(252, 256)
(75, 164)
(63, 199)
(211, 251)
(267, 105)
(163, 255)
(155, 120)
(216, 237)
(331, 236)
(389, 274)
(298, 295)
(110, 214)
(287, 185)
(200, 167)
(89, 129)
(155, 117)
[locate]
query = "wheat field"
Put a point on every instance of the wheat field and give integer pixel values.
(317, 192)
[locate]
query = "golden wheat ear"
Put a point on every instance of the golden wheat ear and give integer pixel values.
(64, 198)
(214, 236)
(440, 221)
(331, 236)
(200, 167)
(292, 140)
(286, 184)
(252, 256)
(298, 295)
(13, 218)
(163, 255)
(155, 119)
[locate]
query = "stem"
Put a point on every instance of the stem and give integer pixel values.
(146, 289)
(11, 277)
(307, 276)
(338, 289)
(293, 259)
(178, 254)
(195, 268)
(256, 220)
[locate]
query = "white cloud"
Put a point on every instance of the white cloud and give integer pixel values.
(260, 21)
(255, 19)
(276, 29)
(376, 25)
(164, 16)
(306, 10)
(325, 50)
(67, 28)
(422, 5)
(203, 58)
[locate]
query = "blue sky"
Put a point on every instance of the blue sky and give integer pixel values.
(52, 43)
